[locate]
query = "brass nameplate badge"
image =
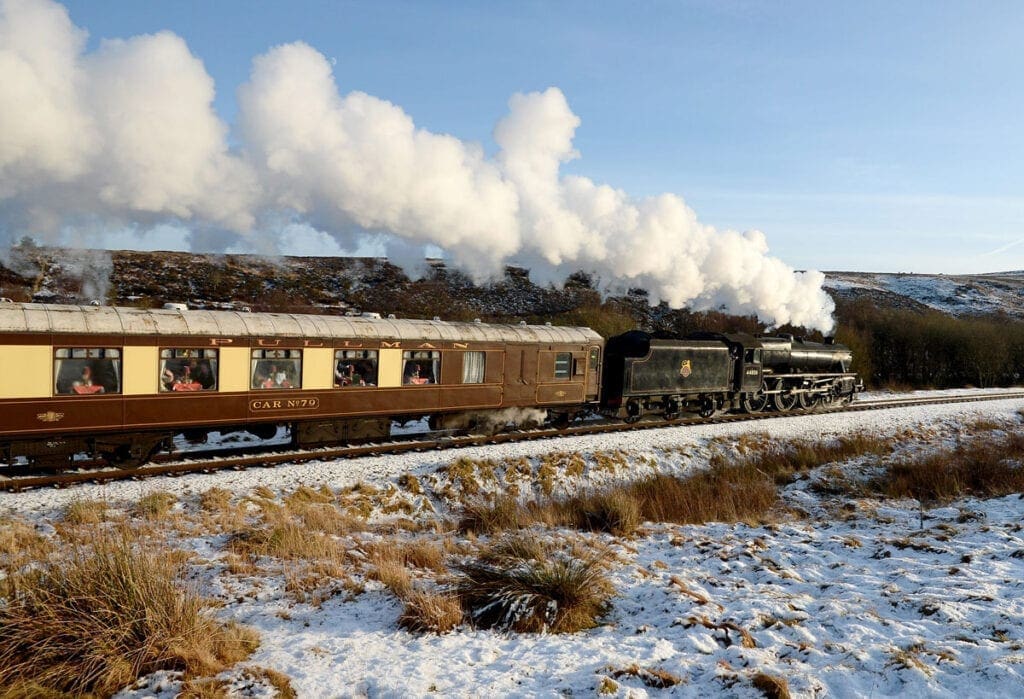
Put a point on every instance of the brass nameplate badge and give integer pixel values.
(50, 416)
(261, 404)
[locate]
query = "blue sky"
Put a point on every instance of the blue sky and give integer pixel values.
(871, 135)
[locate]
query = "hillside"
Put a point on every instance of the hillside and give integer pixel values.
(338, 285)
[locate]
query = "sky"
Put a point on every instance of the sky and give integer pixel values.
(869, 136)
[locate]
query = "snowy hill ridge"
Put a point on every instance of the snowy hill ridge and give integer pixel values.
(957, 295)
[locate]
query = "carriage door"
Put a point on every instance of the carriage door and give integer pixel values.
(515, 387)
(593, 372)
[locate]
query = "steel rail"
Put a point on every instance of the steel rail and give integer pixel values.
(182, 464)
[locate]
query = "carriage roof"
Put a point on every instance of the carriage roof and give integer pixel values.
(111, 320)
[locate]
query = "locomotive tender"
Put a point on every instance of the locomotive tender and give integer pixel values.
(121, 383)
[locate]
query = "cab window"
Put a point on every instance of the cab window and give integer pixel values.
(420, 367)
(355, 368)
(276, 368)
(563, 365)
(85, 371)
(473, 367)
(185, 370)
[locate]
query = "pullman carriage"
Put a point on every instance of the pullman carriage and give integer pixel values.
(122, 382)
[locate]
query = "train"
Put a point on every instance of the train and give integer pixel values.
(121, 384)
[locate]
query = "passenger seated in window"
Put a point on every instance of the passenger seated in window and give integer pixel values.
(186, 382)
(85, 384)
(203, 374)
(365, 374)
(345, 375)
(414, 375)
(276, 378)
(167, 378)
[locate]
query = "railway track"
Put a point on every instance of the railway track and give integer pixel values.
(208, 461)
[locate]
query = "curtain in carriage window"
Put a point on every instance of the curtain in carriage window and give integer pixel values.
(473, 367)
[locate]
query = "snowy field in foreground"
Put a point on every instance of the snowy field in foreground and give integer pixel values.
(856, 599)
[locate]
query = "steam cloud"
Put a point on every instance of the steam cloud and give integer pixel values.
(127, 136)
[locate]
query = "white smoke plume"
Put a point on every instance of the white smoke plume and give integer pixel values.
(127, 135)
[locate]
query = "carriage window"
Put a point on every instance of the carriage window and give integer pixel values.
(276, 368)
(595, 355)
(473, 367)
(87, 370)
(420, 367)
(563, 365)
(355, 368)
(188, 370)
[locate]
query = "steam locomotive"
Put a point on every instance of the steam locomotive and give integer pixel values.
(711, 372)
(123, 383)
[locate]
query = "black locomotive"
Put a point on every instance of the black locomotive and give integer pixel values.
(710, 372)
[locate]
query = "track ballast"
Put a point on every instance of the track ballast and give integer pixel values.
(208, 461)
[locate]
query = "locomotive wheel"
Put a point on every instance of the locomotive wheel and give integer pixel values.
(755, 403)
(671, 409)
(783, 402)
(707, 408)
(808, 401)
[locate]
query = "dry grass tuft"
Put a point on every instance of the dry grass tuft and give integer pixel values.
(393, 574)
(97, 618)
(286, 540)
(20, 543)
(616, 511)
(746, 639)
(86, 512)
(523, 584)
(220, 512)
(771, 686)
(326, 518)
(205, 688)
(654, 677)
(305, 495)
(278, 680)
(481, 516)
(155, 505)
(431, 612)
(215, 500)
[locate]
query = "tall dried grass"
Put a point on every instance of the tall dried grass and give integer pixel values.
(426, 611)
(980, 467)
(97, 617)
(719, 494)
(783, 461)
(523, 584)
(742, 491)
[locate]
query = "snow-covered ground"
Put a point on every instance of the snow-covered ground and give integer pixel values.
(856, 598)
